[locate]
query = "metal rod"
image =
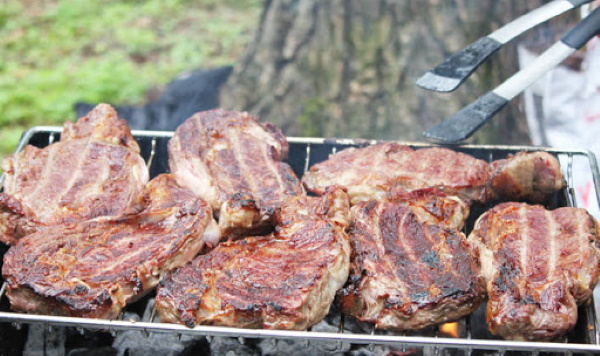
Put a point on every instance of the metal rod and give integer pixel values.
(152, 153)
(153, 313)
(307, 159)
(468, 326)
(52, 138)
(210, 331)
(341, 326)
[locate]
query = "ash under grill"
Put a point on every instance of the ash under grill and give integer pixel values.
(138, 331)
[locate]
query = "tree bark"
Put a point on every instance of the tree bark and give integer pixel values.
(347, 68)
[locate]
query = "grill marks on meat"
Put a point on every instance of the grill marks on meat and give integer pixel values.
(370, 172)
(539, 265)
(94, 268)
(285, 280)
(229, 158)
(409, 270)
(94, 170)
(89, 243)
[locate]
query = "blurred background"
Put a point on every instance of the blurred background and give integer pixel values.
(325, 68)
(55, 53)
(337, 68)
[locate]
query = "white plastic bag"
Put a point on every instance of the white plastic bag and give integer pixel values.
(563, 111)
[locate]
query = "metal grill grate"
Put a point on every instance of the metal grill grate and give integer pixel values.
(304, 152)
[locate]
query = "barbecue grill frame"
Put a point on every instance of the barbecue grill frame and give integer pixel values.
(343, 336)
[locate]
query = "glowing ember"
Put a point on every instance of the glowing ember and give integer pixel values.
(449, 329)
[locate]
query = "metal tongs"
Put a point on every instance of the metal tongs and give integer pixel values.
(458, 67)
(464, 123)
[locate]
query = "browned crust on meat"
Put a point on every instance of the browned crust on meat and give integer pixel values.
(369, 172)
(286, 280)
(222, 155)
(538, 265)
(94, 268)
(238, 154)
(101, 124)
(526, 176)
(94, 170)
(407, 272)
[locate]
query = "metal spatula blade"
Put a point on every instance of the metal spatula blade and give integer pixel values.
(464, 123)
(458, 67)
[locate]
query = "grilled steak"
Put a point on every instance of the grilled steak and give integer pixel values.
(410, 267)
(94, 268)
(529, 176)
(235, 163)
(538, 266)
(370, 172)
(286, 280)
(94, 170)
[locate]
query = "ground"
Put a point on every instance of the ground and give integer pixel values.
(54, 53)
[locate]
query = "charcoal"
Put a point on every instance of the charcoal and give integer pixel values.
(16, 335)
(43, 340)
(228, 346)
(93, 351)
(303, 347)
(370, 350)
(151, 344)
(139, 343)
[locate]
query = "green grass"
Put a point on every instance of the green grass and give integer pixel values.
(55, 53)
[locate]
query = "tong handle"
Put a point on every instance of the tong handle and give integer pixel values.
(450, 74)
(464, 123)
(569, 43)
(587, 28)
(577, 3)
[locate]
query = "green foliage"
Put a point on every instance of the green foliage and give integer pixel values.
(313, 116)
(55, 53)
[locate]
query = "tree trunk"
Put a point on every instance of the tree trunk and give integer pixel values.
(347, 68)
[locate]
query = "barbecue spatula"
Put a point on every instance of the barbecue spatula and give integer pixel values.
(457, 68)
(462, 124)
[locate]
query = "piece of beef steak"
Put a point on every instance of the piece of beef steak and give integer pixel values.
(94, 170)
(236, 164)
(370, 172)
(285, 280)
(411, 267)
(94, 268)
(539, 265)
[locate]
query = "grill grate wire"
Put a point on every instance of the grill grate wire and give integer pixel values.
(317, 149)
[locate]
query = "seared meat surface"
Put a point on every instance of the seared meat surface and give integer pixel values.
(285, 280)
(539, 265)
(529, 176)
(369, 172)
(94, 268)
(410, 267)
(94, 170)
(235, 163)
